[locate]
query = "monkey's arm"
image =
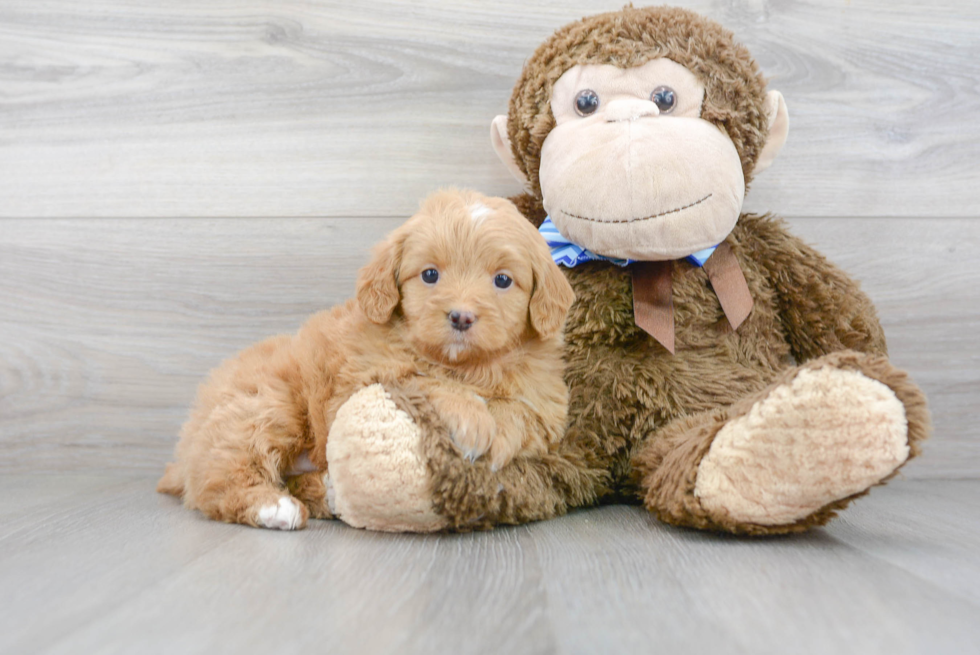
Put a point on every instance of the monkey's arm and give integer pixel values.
(400, 471)
(821, 308)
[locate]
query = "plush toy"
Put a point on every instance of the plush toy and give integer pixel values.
(721, 372)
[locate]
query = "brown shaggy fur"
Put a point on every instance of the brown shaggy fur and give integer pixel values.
(640, 419)
(495, 387)
(667, 469)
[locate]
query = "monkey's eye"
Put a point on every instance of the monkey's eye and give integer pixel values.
(665, 99)
(430, 276)
(586, 102)
(502, 281)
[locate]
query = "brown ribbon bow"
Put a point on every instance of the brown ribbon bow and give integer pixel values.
(653, 304)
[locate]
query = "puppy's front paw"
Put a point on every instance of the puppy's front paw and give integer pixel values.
(502, 450)
(470, 425)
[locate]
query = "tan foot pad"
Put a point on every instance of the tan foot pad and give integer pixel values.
(827, 435)
(377, 477)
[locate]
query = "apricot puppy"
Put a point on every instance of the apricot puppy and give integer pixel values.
(462, 304)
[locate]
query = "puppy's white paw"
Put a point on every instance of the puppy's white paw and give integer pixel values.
(285, 515)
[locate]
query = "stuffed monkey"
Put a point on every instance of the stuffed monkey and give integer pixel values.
(721, 372)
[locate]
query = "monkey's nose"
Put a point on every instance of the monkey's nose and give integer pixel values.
(629, 109)
(461, 321)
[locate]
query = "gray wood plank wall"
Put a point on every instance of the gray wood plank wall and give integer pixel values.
(179, 179)
(317, 108)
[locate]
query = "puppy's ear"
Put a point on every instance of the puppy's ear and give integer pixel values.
(552, 295)
(377, 283)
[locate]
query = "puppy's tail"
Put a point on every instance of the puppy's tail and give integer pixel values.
(172, 481)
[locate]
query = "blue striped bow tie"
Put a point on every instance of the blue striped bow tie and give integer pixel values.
(568, 254)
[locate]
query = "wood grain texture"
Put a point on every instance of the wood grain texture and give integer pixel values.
(104, 565)
(115, 108)
(107, 326)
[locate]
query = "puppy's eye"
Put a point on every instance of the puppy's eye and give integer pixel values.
(665, 99)
(586, 102)
(502, 281)
(430, 276)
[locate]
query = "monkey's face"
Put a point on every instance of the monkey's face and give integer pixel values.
(631, 170)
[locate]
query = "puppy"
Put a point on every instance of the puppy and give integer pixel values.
(462, 304)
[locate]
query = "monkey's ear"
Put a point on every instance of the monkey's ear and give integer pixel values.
(501, 145)
(552, 295)
(778, 118)
(377, 283)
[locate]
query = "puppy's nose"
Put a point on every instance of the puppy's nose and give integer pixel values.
(461, 321)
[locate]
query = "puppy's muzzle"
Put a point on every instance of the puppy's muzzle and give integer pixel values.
(461, 321)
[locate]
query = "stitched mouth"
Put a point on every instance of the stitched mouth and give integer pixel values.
(636, 220)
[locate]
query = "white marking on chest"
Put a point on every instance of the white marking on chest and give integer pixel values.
(453, 350)
(283, 516)
(479, 212)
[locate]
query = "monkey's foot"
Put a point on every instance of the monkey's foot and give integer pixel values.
(824, 436)
(788, 457)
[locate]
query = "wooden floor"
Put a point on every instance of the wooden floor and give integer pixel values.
(102, 564)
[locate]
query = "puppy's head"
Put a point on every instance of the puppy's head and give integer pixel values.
(471, 276)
